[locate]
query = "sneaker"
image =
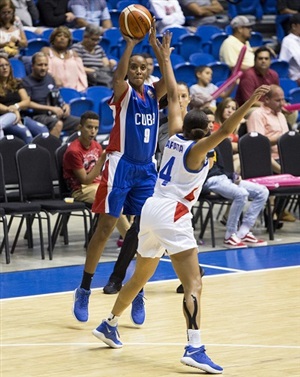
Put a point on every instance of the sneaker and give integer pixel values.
(251, 240)
(180, 287)
(197, 358)
(112, 288)
(138, 309)
(108, 334)
(81, 304)
(233, 242)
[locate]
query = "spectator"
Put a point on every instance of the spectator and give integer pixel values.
(12, 36)
(203, 12)
(13, 99)
(288, 8)
(64, 64)
(205, 86)
(269, 120)
(41, 87)
(232, 187)
(54, 13)
(224, 110)
(290, 48)
(231, 47)
(98, 67)
(83, 162)
(27, 11)
(260, 74)
(150, 79)
(91, 12)
(168, 13)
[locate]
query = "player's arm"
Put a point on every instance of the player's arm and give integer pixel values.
(198, 152)
(174, 112)
(119, 83)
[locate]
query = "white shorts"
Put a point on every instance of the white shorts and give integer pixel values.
(160, 233)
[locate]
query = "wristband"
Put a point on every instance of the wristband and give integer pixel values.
(17, 106)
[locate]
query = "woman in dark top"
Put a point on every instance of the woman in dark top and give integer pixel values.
(13, 99)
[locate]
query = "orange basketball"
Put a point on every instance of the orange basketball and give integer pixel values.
(135, 21)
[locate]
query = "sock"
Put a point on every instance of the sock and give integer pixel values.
(86, 281)
(244, 229)
(112, 320)
(194, 338)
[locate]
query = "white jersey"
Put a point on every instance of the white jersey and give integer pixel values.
(166, 216)
(175, 180)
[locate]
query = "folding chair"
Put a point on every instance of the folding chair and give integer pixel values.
(33, 165)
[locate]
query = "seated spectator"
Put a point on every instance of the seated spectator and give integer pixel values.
(12, 36)
(98, 67)
(13, 99)
(168, 13)
(205, 86)
(290, 50)
(241, 193)
(46, 103)
(64, 64)
(260, 74)
(150, 79)
(231, 47)
(83, 162)
(269, 120)
(91, 12)
(203, 12)
(54, 13)
(224, 110)
(27, 11)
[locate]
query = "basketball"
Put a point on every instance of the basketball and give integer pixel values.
(135, 21)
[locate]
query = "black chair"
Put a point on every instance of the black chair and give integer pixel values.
(33, 165)
(9, 146)
(51, 143)
(73, 136)
(24, 211)
(289, 153)
(208, 200)
(255, 158)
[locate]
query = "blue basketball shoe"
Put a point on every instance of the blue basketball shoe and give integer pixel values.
(138, 314)
(197, 358)
(81, 304)
(108, 334)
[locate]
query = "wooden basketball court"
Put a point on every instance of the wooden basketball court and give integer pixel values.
(250, 327)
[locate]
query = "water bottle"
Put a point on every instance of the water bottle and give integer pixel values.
(55, 96)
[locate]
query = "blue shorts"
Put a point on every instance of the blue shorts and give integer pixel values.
(124, 186)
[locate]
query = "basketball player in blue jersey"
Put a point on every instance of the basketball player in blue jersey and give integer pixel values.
(166, 217)
(129, 173)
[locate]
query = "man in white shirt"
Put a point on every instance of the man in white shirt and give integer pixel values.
(290, 48)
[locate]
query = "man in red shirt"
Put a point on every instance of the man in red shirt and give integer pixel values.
(83, 160)
(254, 77)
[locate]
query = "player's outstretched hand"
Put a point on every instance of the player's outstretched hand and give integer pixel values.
(260, 92)
(131, 41)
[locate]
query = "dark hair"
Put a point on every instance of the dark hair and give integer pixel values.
(201, 68)
(63, 30)
(295, 19)
(146, 55)
(208, 111)
(88, 115)
(261, 49)
(195, 124)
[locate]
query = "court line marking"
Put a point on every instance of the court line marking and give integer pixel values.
(278, 346)
(240, 272)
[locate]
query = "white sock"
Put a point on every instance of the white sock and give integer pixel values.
(244, 229)
(194, 338)
(112, 320)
